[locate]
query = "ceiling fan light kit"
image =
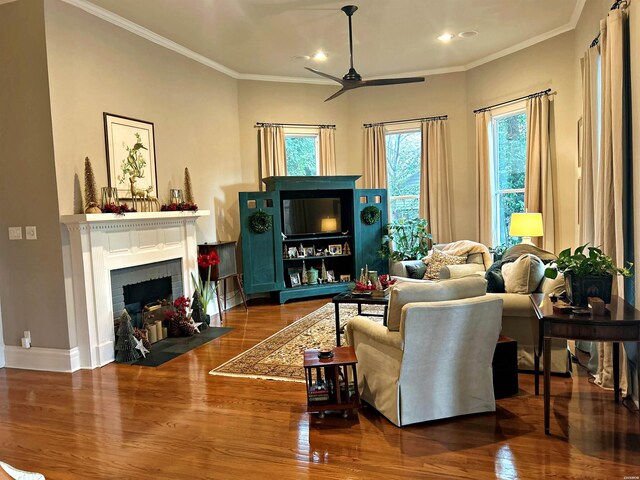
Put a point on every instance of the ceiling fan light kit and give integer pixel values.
(352, 79)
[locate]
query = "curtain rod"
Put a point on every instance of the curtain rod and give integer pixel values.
(409, 120)
(312, 125)
(525, 97)
(616, 5)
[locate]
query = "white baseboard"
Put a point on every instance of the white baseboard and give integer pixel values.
(45, 359)
(1, 354)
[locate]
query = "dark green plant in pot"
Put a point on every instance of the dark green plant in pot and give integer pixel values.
(587, 274)
(406, 239)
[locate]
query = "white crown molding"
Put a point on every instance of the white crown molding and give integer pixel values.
(176, 47)
(147, 34)
(45, 359)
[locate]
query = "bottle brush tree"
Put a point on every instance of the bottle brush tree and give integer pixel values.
(126, 343)
(188, 190)
(90, 194)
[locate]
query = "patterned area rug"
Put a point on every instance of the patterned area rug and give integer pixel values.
(280, 356)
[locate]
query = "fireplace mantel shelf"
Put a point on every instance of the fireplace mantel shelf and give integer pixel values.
(112, 217)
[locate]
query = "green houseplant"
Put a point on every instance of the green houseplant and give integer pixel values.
(406, 239)
(586, 274)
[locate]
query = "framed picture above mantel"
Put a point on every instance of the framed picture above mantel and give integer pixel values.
(131, 156)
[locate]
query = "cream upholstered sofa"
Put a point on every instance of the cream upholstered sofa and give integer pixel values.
(433, 359)
(518, 318)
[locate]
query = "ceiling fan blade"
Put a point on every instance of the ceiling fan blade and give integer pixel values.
(326, 75)
(391, 81)
(338, 93)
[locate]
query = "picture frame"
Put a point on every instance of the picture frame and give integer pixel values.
(331, 277)
(292, 252)
(121, 133)
(345, 278)
(309, 251)
(335, 249)
(295, 280)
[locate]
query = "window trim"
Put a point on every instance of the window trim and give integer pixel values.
(413, 127)
(305, 132)
(498, 114)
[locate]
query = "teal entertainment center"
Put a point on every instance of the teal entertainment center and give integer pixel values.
(312, 220)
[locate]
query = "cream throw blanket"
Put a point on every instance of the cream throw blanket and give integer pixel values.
(465, 247)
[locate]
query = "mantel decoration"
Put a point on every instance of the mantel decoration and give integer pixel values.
(90, 193)
(586, 275)
(188, 190)
(370, 215)
(131, 160)
(260, 222)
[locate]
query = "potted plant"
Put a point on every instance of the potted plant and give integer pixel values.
(406, 239)
(587, 274)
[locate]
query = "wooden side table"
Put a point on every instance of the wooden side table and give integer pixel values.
(225, 269)
(621, 323)
(329, 384)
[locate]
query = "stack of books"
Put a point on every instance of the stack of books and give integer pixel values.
(319, 392)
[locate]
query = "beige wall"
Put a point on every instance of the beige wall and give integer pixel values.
(96, 67)
(31, 275)
(545, 65)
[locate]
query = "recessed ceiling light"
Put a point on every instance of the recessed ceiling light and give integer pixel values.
(470, 33)
(319, 56)
(446, 37)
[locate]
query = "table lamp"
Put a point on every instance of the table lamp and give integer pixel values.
(526, 225)
(329, 224)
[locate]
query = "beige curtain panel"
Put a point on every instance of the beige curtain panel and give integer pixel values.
(273, 156)
(327, 150)
(484, 176)
(375, 157)
(609, 211)
(589, 144)
(538, 189)
(435, 199)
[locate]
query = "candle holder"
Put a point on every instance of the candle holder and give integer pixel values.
(175, 195)
(109, 196)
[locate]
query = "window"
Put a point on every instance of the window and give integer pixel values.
(302, 151)
(509, 138)
(403, 173)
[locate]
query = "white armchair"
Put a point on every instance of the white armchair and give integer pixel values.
(438, 365)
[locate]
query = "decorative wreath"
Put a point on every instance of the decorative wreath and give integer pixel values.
(260, 222)
(370, 215)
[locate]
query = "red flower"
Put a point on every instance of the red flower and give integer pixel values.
(209, 260)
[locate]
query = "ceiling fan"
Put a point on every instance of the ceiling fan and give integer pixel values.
(352, 79)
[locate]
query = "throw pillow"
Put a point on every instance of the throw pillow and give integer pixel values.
(416, 270)
(495, 282)
(524, 275)
(439, 259)
(410, 291)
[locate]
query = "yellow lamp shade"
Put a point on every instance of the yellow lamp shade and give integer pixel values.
(526, 225)
(329, 224)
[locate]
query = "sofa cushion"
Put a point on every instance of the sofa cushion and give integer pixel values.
(516, 305)
(555, 285)
(495, 281)
(409, 292)
(416, 270)
(524, 275)
(439, 259)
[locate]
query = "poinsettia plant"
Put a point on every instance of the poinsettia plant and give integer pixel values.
(205, 289)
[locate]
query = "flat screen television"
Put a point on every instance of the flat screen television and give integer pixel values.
(306, 216)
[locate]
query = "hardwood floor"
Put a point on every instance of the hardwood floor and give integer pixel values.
(179, 422)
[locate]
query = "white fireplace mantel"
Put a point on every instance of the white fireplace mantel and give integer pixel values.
(100, 243)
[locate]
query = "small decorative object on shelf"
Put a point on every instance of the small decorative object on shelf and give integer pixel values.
(292, 252)
(90, 194)
(376, 287)
(370, 215)
(345, 278)
(309, 251)
(109, 196)
(260, 222)
(179, 207)
(345, 249)
(305, 279)
(323, 272)
(335, 249)
(295, 279)
(175, 196)
(117, 209)
(188, 190)
(126, 344)
(312, 276)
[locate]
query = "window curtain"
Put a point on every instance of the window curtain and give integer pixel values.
(484, 176)
(435, 201)
(589, 144)
(327, 151)
(271, 148)
(375, 157)
(612, 199)
(538, 188)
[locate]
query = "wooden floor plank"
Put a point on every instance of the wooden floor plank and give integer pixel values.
(177, 421)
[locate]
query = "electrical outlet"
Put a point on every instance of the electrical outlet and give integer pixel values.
(30, 233)
(15, 233)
